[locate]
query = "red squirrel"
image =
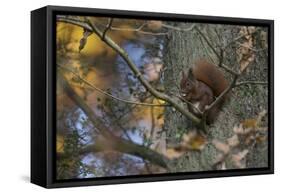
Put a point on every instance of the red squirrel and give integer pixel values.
(201, 86)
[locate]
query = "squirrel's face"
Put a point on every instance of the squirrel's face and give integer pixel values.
(187, 87)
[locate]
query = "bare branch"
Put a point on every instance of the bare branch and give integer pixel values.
(179, 29)
(250, 83)
(107, 27)
(251, 48)
(75, 21)
(190, 104)
(140, 77)
(221, 96)
(106, 93)
(139, 30)
(207, 41)
(110, 140)
(219, 55)
(124, 55)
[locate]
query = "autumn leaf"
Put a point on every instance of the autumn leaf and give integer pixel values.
(83, 40)
(190, 142)
(194, 141)
(173, 153)
(188, 136)
(251, 29)
(249, 123)
(198, 143)
(154, 25)
(223, 147)
(60, 144)
(244, 52)
(260, 116)
(238, 129)
(261, 139)
(233, 141)
(237, 158)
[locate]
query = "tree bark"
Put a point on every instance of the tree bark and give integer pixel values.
(182, 48)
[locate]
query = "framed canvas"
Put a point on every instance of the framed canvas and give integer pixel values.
(126, 96)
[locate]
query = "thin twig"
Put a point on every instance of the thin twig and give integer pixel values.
(251, 48)
(107, 94)
(220, 97)
(250, 83)
(107, 27)
(109, 141)
(179, 29)
(138, 30)
(141, 78)
(190, 104)
(124, 55)
(75, 21)
(129, 29)
(207, 41)
(234, 40)
(219, 55)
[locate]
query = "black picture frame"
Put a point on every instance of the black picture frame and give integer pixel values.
(43, 103)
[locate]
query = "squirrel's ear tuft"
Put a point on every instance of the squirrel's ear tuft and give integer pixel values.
(190, 74)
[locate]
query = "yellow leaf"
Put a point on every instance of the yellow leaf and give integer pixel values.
(60, 144)
(198, 143)
(172, 153)
(249, 123)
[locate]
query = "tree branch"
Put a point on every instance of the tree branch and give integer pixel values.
(107, 27)
(219, 55)
(124, 55)
(207, 41)
(250, 83)
(116, 143)
(106, 93)
(179, 29)
(139, 30)
(221, 96)
(75, 21)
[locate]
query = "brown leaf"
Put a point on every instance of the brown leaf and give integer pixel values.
(221, 146)
(261, 139)
(187, 137)
(198, 143)
(260, 116)
(154, 25)
(237, 158)
(249, 123)
(246, 60)
(193, 141)
(249, 139)
(233, 141)
(83, 40)
(190, 141)
(251, 29)
(238, 129)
